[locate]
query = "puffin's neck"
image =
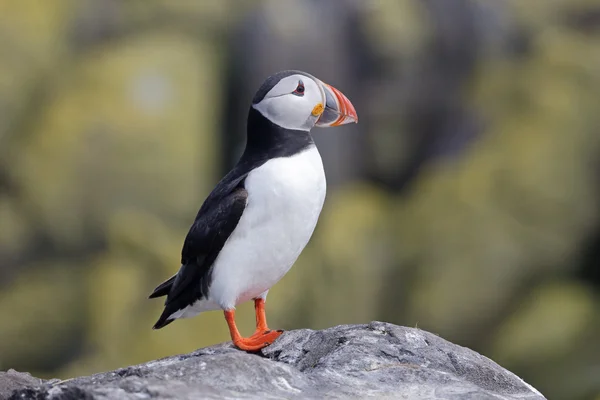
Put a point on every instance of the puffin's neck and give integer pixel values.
(266, 140)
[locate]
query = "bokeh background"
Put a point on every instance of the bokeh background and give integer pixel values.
(466, 202)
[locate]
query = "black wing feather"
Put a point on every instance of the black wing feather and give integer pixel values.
(216, 220)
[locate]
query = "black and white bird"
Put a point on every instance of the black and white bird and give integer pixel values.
(260, 216)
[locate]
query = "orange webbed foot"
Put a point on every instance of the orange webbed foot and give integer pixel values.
(261, 338)
(268, 335)
(257, 341)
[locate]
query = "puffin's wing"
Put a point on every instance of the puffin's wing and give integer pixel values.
(215, 221)
(207, 236)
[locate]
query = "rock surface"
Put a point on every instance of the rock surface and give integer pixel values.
(377, 360)
(13, 380)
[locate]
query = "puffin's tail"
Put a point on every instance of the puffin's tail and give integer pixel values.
(163, 321)
(163, 289)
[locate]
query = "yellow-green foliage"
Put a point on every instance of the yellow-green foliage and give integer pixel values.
(41, 313)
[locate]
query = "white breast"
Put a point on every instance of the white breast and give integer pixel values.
(285, 198)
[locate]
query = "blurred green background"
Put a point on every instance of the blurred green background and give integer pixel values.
(466, 202)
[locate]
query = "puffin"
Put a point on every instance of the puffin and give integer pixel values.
(257, 220)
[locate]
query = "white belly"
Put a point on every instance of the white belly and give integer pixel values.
(285, 198)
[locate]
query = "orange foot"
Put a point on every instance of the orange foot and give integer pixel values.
(261, 338)
(257, 341)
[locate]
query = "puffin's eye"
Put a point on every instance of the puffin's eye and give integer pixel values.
(299, 89)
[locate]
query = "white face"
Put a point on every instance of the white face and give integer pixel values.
(295, 102)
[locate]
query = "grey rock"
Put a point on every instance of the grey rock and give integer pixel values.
(12, 380)
(377, 360)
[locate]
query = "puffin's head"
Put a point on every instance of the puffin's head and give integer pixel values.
(297, 100)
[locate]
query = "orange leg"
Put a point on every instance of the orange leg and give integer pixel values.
(261, 316)
(261, 338)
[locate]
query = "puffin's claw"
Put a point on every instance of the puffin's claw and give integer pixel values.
(266, 335)
(263, 333)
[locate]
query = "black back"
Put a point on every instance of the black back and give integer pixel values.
(222, 210)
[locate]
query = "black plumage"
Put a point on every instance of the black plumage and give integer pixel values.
(216, 220)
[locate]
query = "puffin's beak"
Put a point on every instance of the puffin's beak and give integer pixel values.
(338, 109)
